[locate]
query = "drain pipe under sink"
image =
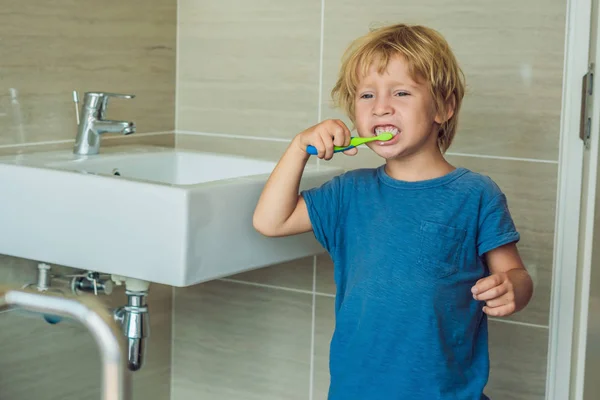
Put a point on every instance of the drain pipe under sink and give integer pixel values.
(134, 319)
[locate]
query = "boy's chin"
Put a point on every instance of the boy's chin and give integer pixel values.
(387, 153)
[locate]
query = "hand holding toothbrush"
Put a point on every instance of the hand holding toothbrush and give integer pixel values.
(321, 139)
(324, 139)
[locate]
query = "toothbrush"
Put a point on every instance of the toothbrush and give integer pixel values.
(355, 141)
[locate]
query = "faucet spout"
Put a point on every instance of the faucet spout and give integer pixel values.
(107, 126)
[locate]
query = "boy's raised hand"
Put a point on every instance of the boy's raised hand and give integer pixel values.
(509, 287)
(325, 135)
(498, 292)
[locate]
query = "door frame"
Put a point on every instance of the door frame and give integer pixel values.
(562, 321)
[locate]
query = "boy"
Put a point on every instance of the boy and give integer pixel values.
(423, 251)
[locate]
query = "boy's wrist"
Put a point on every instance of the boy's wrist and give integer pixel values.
(298, 148)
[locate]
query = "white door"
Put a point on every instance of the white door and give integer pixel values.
(574, 348)
(585, 373)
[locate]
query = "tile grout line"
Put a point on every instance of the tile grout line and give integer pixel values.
(175, 123)
(538, 160)
(311, 384)
(266, 286)
(509, 321)
(50, 142)
(321, 52)
(315, 293)
(172, 375)
(231, 136)
(325, 294)
(282, 140)
(177, 58)
(121, 137)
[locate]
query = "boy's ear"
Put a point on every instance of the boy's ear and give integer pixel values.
(449, 112)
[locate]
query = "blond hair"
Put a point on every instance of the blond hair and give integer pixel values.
(429, 59)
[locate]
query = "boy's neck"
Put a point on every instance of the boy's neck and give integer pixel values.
(419, 167)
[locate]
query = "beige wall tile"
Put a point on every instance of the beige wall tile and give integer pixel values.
(48, 362)
(51, 49)
(261, 149)
(297, 274)
(248, 68)
(325, 280)
(517, 362)
(517, 357)
(162, 140)
(511, 53)
(324, 327)
(16, 271)
(235, 341)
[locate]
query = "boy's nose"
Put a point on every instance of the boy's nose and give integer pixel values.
(382, 107)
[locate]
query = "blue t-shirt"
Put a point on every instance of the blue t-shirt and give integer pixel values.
(406, 255)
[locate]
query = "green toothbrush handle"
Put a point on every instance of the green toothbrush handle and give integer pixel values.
(354, 141)
(336, 149)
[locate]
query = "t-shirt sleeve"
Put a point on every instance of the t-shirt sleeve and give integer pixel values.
(496, 226)
(323, 205)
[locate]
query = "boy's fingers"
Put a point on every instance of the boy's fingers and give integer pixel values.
(492, 293)
(319, 145)
(339, 137)
(351, 152)
(346, 132)
(501, 311)
(327, 145)
(507, 298)
(485, 284)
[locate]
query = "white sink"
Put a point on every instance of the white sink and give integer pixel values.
(169, 216)
(172, 167)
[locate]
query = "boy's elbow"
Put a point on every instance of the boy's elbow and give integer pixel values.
(262, 228)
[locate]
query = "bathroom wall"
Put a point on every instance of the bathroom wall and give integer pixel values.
(253, 74)
(50, 48)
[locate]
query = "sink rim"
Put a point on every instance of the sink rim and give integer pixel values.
(48, 160)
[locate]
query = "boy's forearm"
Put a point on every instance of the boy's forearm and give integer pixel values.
(280, 194)
(523, 287)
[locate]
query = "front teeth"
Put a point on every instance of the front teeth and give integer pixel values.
(392, 129)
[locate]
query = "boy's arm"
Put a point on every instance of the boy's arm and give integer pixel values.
(509, 287)
(281, 211)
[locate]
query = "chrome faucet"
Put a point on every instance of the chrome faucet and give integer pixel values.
(92, 123)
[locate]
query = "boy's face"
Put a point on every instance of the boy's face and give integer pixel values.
(394, 102)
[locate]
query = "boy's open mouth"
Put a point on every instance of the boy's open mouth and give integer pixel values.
(379, 129)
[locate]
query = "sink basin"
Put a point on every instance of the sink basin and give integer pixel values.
(172, 167)
(170, 216)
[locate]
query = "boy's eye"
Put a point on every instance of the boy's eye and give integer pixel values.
(366, 96)
(400, 94)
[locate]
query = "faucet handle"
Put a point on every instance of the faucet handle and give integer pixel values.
(99, 100)
(105, 95)
(118, 95)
